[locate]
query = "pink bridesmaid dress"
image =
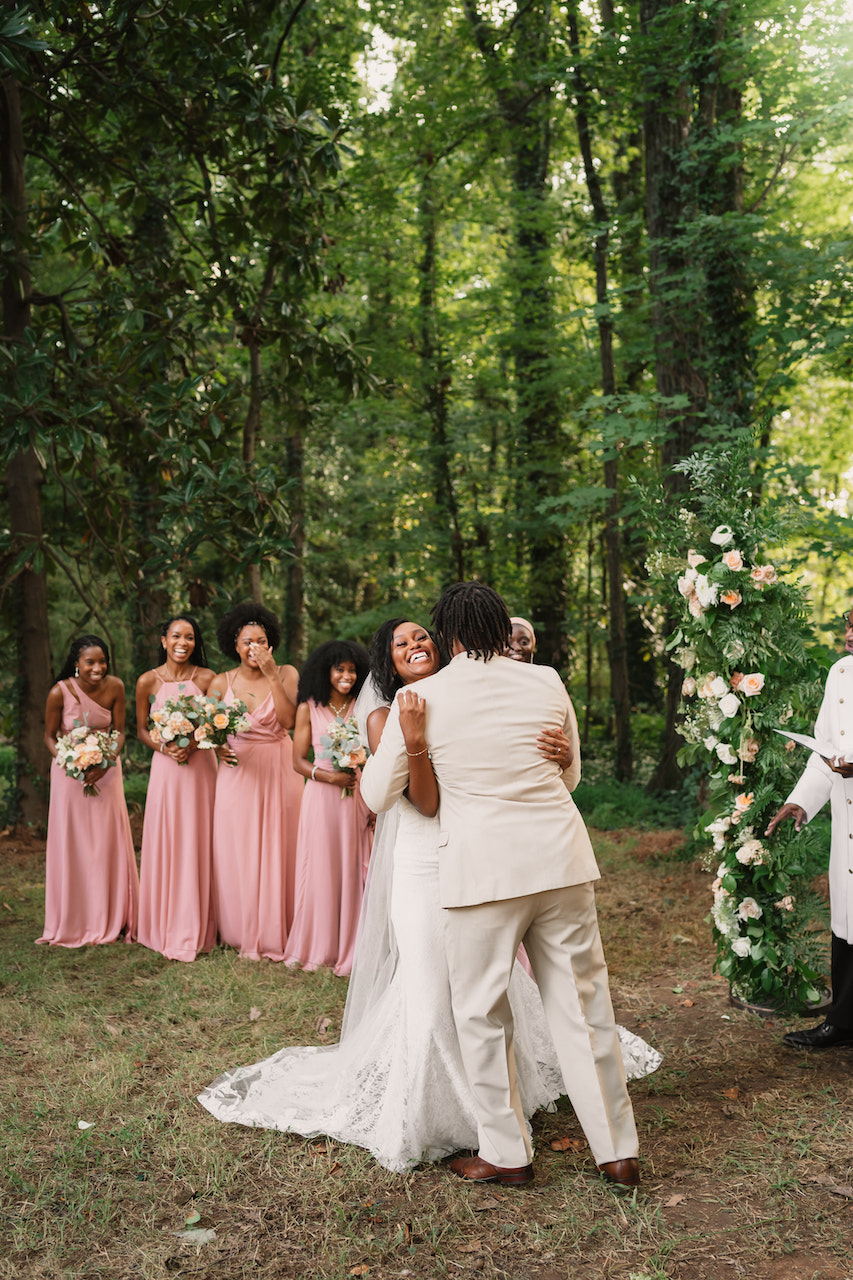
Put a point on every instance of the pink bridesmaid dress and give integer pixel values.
(176, 873)
(91, 883)
(332, 852)
(255, 820)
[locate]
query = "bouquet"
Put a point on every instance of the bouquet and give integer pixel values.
(343, 745)
(218, 721)
(175, 721)
(83, 748)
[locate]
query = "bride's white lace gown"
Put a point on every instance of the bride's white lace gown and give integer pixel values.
(395, 1084)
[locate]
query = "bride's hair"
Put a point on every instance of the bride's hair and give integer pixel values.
(385, 677)
(474, 615)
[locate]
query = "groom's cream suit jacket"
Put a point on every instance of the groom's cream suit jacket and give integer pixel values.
(509, 826)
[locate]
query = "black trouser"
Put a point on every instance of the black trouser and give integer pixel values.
(840, 1013)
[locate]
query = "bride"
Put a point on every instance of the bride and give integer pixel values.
(395, 1083)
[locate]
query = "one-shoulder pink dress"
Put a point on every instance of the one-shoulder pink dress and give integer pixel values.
(91, 882)
(255, 820)
(176, 871)
(332, 852)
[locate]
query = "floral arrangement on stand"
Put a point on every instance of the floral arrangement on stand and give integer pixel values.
(741, 639)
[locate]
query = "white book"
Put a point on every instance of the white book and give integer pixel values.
(824, 749)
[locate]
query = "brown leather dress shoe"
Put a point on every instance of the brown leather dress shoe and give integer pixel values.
(623, 1175)
(473, 1169)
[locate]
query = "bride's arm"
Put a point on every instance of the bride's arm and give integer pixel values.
(422, 790)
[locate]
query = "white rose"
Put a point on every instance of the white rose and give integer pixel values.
(694, 560)
(725, 753)
(722, 535)
(719, 688)
(748, 909)
(741, 947)
(710, 743)
(729, 705)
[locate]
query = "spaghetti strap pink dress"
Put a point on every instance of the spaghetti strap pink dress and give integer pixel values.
(91, 883)
(176, 872)
(255, 819)
(332, 852)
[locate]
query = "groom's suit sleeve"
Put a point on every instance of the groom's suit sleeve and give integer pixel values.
(386, 774)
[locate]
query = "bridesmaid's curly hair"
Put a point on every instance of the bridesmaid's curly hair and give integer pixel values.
(77, 647)
(474, 615)
(242, 615)
(315, 678)
(199, 656)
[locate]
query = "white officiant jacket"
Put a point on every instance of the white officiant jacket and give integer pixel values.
(818, 784)
(509, 826)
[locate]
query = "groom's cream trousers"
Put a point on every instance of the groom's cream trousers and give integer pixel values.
(559, 928)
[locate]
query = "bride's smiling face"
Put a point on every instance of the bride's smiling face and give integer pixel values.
(413, 652)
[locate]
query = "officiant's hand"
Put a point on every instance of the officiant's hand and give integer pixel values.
(795, 811)
(842, 767)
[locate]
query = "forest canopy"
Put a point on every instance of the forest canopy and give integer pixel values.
(330, 305)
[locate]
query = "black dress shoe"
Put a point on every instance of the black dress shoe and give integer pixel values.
(823, 1037)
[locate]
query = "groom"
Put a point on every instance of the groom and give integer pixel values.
(515, 864)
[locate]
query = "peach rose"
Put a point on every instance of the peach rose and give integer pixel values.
(220, 720)
(688, 687)
(735, 679)
(694, 559)
(752, 684)
(744, 801)
(733, 559)
(731, 598)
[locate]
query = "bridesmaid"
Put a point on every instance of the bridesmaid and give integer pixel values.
(333, 846)
(256, 814)
(91, 884)
(175, 891)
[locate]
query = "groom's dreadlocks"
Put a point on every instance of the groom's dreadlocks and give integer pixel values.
(474, 615)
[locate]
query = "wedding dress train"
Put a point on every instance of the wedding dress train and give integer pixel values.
(395, 1084)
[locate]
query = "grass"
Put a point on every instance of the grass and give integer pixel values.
(746, 1146)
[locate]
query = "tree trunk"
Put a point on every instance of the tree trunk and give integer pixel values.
(524, 102)
(616, 648)
(23, 484)
(435, 372)
(294, 600)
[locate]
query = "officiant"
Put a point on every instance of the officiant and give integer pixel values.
(832, 779)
